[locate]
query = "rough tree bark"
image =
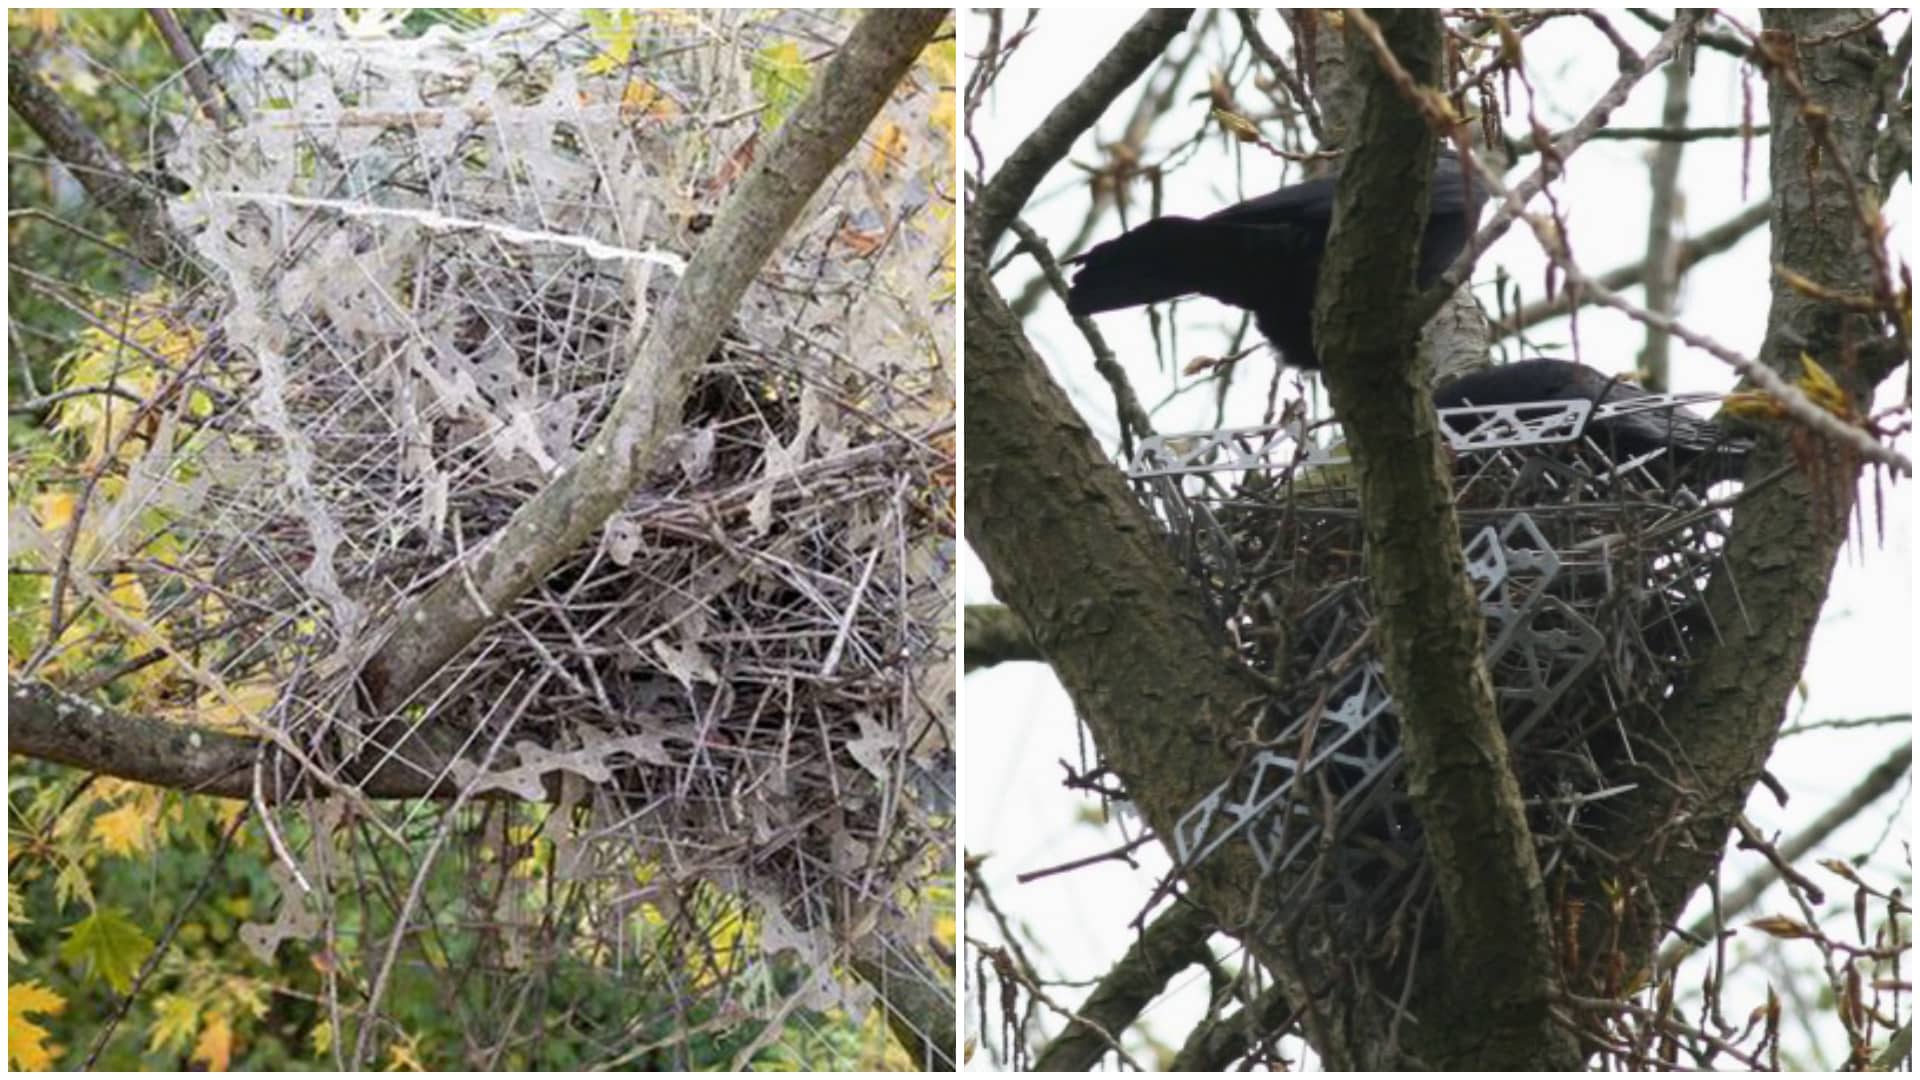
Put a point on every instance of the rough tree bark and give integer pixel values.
(1428, 624)
(1786, 537)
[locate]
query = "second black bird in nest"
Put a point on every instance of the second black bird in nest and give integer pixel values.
(1262, 255)
(1699, 449)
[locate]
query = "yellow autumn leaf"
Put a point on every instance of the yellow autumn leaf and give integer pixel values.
(322, 1038)
(943, 115)
(613, 33)
(72, 651)
(27, 1045)
(780, 78)
(1815, 382)
(175, 1018)
(122, 830)
(889, 148)
(38, 20)
(1236, 125)
(403, 1059)
(54, 510)
(215, 1048)
(643, 98)
(939, 60)
(130, 595)
(235, 712)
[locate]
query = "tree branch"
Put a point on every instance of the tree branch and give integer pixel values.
(1167, 947)
(1563, 147)
(1661, 264)
(1878, 781)
(131, 203)
(1720, 238)
(993, 210)
(995, 636)
(1429, 628)
(50, 724)
(1214, 1045)
(1723, 722)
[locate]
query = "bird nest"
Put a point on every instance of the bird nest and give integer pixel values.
(436, 257)
(1590, 568)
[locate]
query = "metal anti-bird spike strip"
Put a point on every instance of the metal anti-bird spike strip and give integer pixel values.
(1486, 427)
(1549, 658)
(1194, 837)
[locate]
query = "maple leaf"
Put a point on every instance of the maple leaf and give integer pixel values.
(122, 831)
(175, 1018)
(27, 1044)
(107, 944)
(215, 1048)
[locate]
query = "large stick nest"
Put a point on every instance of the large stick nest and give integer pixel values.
(1590, 569)
(435, 259)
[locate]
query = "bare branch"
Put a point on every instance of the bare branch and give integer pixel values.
(994, 208)
(1881, 779)
(995, 636)
(133, 204)
(1168, 946)
(1714, 241)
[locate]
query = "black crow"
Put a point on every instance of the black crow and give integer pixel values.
(1262, 255)
(1688, 439)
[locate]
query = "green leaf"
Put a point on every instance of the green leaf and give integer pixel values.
(780, 79)
(176, 1020)
(107, 945)
(26, 621)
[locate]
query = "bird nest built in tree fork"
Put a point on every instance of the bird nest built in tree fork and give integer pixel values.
(435, 257)
(1589, 564)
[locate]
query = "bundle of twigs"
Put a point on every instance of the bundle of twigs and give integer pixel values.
(1591, 573)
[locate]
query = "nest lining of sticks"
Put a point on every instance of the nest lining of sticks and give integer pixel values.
(746, 679)
(1592, 578)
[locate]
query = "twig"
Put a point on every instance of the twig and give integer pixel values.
(994, 209)
(1791, 399)
(1126, 404)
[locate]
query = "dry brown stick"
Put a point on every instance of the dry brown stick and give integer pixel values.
(191, 65)
(1714, 241)
(1877, 782)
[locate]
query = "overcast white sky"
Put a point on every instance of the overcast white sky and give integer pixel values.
(1017, 723)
